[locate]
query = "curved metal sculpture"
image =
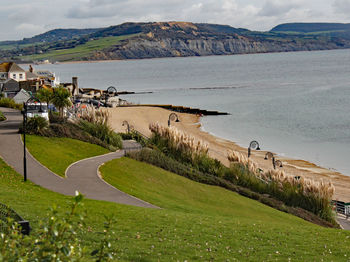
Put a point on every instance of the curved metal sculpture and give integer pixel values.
(126, 123)
(112, 90)
(278, 163)
(173, 117)
(253, 145)
(268, 155)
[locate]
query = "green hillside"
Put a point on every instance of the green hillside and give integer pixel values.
(80, 52)
(202, 223)
(196, 222)
(324, 28)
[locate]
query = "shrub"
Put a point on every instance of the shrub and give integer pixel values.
(35, 125)
(184, 148)
(73, 131)
(56, 240)
(305, 193)
(10, 103)
(55, 117)
(102, 132)
(2, 117)
(134, 135)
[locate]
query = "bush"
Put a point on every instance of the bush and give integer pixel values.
(133, 135)
(56, 240)
(54, 117)
(102, 132)
(35, 125)
(2, 117)
(10, 103)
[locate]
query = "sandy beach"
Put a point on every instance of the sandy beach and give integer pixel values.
(140, 117)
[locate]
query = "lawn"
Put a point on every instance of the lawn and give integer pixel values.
(196, 222)
(58, 153)
(80, 51)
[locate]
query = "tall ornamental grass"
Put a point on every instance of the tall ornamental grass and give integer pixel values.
(95, 122)
(294, 191)
(184, 148)
(305, 193)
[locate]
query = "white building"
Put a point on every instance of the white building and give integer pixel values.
(11, 70)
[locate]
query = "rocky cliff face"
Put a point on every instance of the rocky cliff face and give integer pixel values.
(170, 47)
(188, 39)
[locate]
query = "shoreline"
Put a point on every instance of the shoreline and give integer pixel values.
(141, 117)
(278, 155)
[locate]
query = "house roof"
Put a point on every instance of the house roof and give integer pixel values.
(5, 67)
(10, 67)
(22, 96)
(15, 68)
(31, 75)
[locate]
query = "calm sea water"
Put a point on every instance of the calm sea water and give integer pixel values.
(294, 104)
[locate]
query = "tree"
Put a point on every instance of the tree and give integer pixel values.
(61, 99)
(45, 95)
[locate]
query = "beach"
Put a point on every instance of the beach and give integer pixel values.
(139, 117)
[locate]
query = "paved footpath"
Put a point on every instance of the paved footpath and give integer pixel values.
(81, 176)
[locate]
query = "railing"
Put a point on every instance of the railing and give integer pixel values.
(341, 207)
(6, 212)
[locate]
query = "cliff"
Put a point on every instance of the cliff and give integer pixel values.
(172, 39)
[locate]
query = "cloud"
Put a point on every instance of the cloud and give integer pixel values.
(277, 8)
(29, 29)
(20, 18)
(342, 7)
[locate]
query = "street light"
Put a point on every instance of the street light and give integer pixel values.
(253, 145)
(274, 161)
(24, 112)
(125, 123)
(173, 117)
(270, 155)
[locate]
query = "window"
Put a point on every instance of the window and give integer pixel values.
(20, 76)
(14, 76)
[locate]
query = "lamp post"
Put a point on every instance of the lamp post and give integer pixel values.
(125, 123)
(270, 155)
(173, 117)
(24, 112)
(253, 145)
(274, 161)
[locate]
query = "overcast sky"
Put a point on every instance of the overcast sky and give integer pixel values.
(25, 18)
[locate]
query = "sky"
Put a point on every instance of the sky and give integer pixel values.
(26, 18)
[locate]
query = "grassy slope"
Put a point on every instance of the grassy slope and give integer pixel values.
(237, 225)
(80, 51)
(197, 222)
(58, 153)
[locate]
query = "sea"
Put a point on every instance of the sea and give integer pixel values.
(296, 104)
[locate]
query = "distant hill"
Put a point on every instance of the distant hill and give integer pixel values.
(53, 35)
(310, 27)
(173, 39)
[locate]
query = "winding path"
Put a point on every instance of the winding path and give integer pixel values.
(81, 176)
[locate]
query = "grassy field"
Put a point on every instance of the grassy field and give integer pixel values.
(81, 51)
(196, 222)
(58, 153)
